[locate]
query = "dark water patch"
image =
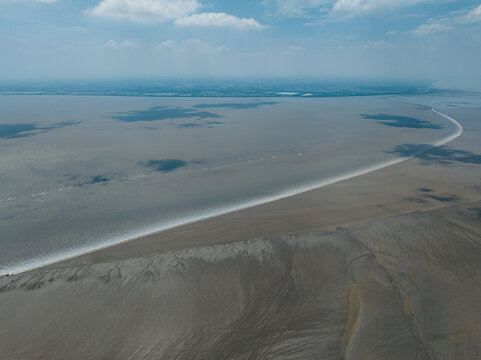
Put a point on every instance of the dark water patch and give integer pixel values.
(442, 155)
(62, 124)
(252, 105)
(71, 177)
(212, 124)
(425, 190)
(208, 124)
(407, 150)
(165, 165)
(98, 179)
(188, 125)
(415, 200)
(164, 113)
(402, 121)
(13, 131)
(446, 198)
(81, 180)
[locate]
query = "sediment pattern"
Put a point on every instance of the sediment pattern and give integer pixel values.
(407, 287)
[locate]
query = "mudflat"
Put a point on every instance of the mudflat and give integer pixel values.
(383, 266)
(440, 177)
(405, 287)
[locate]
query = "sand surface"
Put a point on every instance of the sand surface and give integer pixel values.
(125, 167)
(444, 176)
(384, 266)
(406, 287)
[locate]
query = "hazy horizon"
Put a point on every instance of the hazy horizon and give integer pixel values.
(104, 39)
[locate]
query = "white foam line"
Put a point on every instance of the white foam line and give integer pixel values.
(72, 253)
(458, 132)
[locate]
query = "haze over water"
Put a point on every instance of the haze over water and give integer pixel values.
(81, 172)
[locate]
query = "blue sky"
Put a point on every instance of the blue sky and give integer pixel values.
(411, 39)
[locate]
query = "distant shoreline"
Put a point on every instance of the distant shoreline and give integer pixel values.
(222, 88)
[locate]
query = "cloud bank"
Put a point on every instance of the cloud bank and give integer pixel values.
(112, 44)
(219, 20)
(145, 10)
(465, 17)
(182, 12)
(366, 6)
(311, 8)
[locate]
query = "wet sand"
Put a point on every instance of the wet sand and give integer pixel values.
(383, 266)
(405, 287)
(423, 183)
(60, 198)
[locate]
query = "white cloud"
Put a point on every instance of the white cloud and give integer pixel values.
(295, 48)
(145, 10)
(464, 17)
(112, 44)
(214, 19)
(194, 42)
(472, 16)
(431, 28)
(311, 8)
(167, 44)
(46, 1)
(128, 44)
(365, 6)
(222, 49)
(181, 11)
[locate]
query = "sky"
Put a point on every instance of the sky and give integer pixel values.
(438, 40)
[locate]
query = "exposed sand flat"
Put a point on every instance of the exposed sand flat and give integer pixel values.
(434, 261)
(60, 198)
(406, 287)
(382, 286)
(443, 176)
